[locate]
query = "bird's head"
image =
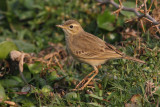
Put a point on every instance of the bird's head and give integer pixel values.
(71, 27)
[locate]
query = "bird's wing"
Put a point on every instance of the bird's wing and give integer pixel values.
(89, 46)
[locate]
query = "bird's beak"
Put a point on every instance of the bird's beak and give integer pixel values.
(60, 26)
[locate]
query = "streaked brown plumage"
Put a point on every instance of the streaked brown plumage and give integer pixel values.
(89, 49)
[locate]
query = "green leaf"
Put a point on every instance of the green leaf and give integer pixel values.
(29, 3)
(105, 21)
(130, 5)
(71, 96)
(5, 48)
(53, 76)
(26, 101)
(24, 46)
(13, 81)
(2, 93)
(24, 15)
(35, 68)
(95, 96)
(46, 89)
(95, 104)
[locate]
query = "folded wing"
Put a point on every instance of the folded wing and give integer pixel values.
(92, 47)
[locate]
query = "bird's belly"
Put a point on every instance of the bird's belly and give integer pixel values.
(93, 62)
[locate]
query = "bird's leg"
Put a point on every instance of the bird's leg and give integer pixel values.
(96, 72)
(82, 81)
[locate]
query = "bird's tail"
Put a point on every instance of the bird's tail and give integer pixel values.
(134, 59)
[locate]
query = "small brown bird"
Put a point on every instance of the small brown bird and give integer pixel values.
(89, 49)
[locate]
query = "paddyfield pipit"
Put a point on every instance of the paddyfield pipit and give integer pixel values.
(89, 49)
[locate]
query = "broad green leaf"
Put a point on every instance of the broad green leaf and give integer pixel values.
(35, 68)
(53, 76)
(46, 89)
(24, 46)
(29, 3)
(2, 93)
(5, 48)
(13, 81)
(24, 15)
(71, 96)
(105, 21)
(130, 5)
(25, 101)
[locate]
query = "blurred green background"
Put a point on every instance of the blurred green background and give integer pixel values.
(32, 22)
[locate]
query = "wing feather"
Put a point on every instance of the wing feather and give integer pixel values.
(92, 47)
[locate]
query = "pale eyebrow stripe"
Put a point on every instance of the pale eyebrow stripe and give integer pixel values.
(74, 24)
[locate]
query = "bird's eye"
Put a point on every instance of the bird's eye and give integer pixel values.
(71, 26)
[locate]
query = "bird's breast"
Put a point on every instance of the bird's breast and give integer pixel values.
(68, 44)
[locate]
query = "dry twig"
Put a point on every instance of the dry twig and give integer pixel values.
(140, 15)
